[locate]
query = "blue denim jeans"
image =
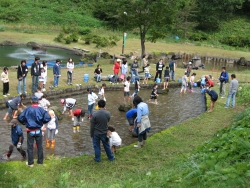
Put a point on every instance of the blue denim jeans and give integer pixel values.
(90, 109)
(134, 74)
(172, 75)
(34, 83)
(98, 77)
(30, 142)
(21, 88)
(56, 80)
(97, 138)
(231, 95)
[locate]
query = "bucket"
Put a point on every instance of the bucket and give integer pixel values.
(86, 78)
(195, 84)
(179, 80)
(158, 80)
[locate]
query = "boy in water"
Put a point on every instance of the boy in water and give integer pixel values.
(191, 83)
(17, 139)
(166, 78)
(214, 97)
(184, 83)
(101, 92)
(146, 70)
(154, 94)
(126, 89)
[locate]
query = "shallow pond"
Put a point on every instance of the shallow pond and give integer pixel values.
(171, 110)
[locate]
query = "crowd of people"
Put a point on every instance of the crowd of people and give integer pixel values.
(38, 118)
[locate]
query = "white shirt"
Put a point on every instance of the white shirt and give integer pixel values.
(115, 139)
(146, 69)
(126, 88)
(52, 123)
(45, 70)
(42, 78)
(44, 103)
(91, 98)
(70, 66)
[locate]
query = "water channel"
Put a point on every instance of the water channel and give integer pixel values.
(172, 109)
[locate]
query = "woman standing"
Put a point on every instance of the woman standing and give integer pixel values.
(5, 80)
(124, 69)
(70, 67)
(91, 102)
(22, 72)
(159, 68)
(45, 74)
(142, 121)
(116, 70)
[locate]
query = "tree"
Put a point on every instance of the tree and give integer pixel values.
(151, 17)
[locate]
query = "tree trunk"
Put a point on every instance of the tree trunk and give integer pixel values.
(143, 36)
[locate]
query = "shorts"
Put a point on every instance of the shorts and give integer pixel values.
(166, 79)
(71, 106)
(126, 93)
(184, 86)
(153, 97)
(214, 99)
(130, 121)
(146, 74)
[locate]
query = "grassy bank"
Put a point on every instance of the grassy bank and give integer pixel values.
(107, 69)
(132, 44)
(146, 167)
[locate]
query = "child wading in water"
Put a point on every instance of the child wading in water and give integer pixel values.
(114, 139)
(184, 83)
(137, 88)
(78, 118)
(154, 94)
(17, 139)
(101, 92)
(191, 83)
(146, 70)
(166, 78)
(126, 89)
(52, 130)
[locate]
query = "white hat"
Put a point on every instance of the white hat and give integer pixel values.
(190, 63)
(118, 60)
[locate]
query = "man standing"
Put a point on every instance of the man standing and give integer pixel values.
(98, 131)
(223, 80)
(57, 72)
(35, 73)
(34, 117)
(232, 91)
(172, 67)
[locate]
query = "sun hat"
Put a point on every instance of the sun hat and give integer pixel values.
(34, 99)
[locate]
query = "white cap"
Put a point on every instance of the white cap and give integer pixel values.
(118, 60)
(190, 63)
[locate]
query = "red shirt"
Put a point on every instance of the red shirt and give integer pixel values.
(210, 83)
(77, 112)
(116, 68)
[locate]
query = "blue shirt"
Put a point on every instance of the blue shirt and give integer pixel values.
(56, 69)
(16, 132)
(131, 113)
(142, 110)
(225, 77)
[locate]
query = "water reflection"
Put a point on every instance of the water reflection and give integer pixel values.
(171, 110)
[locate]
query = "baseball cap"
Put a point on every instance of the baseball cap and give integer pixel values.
(34, 99)
(13, 121)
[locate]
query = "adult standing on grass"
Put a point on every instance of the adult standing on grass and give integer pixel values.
(232, 91)
(70, 68)
(57, 72)
(22, 72)
(116, 69)
(45, 68)
(98, 131)
(5, 80)
(35, 73)
(34, 117)
(172, 67)
(142, 121)
(223, 80)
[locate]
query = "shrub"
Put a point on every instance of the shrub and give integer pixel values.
(2, 28)
(74, 37)
(68, 40)
(84, 31)
(198, 36)
(59, 38)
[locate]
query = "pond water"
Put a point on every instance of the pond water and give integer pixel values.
(172, 109)
(12, 55)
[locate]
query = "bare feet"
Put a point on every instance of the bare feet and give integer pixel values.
(209, 111)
